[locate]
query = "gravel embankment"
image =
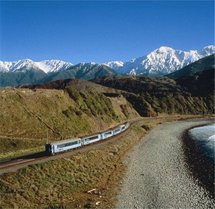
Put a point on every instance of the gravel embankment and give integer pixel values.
(157, 174)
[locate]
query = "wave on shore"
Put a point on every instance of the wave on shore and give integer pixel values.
(205, 137)
(199, 149)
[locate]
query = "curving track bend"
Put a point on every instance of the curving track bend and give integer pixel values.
(12, 165)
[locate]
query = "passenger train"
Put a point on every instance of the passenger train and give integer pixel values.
(69, 144)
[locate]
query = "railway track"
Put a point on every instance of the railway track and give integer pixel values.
(19, 162)
(12, 165)
(15, 162)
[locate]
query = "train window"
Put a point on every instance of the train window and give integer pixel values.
(93, 137)
(116, 130)
(61, 146)
(67, 144)
(107, 133)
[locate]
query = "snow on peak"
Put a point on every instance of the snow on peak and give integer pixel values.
(114, 64)
(208, 50)
(210, 47)
(164, 49)
(87, 63)
(27, 64)
(24, 65)
(162, 61)
(53, 65)
(5, 66)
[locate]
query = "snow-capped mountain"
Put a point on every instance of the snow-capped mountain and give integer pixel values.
(46, 66)
(84, 71)
(161, 61)
(115, 64)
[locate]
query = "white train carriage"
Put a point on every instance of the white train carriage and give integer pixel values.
(65, 145)
(123, 127)
(107, 134)
(127, 125)
(62, 146)
(91, 139)
(117, 130)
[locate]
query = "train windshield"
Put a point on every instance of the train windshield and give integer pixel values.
(48, 148)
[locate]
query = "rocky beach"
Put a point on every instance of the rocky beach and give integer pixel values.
(159, 174)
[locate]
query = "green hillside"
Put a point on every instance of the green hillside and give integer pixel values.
(154, 96)
(30, 117)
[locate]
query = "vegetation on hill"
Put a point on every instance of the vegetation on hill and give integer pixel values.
(31, 117)
(153, 96)
(66, 108)
(64, 183)
(199, 84)
(191, 91)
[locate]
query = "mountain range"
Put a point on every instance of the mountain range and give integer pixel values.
(188, 90)
(46, 66)
(161, 61)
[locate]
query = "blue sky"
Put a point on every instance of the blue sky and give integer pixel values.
(101, 31)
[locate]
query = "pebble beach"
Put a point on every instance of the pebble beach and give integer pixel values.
(158, 175)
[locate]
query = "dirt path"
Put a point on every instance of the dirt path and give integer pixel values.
(157, 176)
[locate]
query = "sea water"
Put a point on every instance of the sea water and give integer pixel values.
(205, 137)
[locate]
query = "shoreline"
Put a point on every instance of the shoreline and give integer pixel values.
(200, 167)
(158, 174)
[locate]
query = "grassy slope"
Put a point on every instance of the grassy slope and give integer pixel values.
(29, 116)
(67, 110)
(63, 183)
(154, 96)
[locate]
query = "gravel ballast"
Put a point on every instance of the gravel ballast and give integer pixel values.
(158, 176)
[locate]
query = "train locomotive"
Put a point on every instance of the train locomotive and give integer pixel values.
(69, 144)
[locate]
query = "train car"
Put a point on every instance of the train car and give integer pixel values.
(117, 130)
(91, 139)
(61, 146)
(65, 145)
(107, 134)
(127, 125)
(124, 126)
